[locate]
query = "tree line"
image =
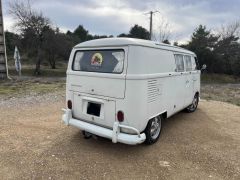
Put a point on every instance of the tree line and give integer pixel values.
(219, 51)
(43, 43)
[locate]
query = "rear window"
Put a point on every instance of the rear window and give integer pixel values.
(102, 61)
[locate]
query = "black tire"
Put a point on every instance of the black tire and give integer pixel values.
(194, 104)
(86, 135)
(153, 130)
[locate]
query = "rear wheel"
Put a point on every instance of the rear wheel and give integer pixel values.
(194, 104)
(153, 130)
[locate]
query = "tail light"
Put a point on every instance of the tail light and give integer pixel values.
(69, 104)
(120, 116)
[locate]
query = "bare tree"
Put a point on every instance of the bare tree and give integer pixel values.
(163, 31)
(28, 19)
(231, 29)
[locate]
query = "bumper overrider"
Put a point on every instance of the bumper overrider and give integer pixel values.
(115, 134)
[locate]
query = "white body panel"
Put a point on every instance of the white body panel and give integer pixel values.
(148, 86)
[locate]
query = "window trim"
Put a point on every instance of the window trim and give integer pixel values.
(185, 62)
(118, 49)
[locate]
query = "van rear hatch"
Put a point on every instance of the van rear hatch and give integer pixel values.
(98, 72)
(94, 110)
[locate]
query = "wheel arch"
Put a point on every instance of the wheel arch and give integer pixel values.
(163, 114)
(198, 94)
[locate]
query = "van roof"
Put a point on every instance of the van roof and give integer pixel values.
(108, 42)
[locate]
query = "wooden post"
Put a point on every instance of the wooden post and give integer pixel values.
(3, 54)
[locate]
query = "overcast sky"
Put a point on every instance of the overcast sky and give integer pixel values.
(112, 17)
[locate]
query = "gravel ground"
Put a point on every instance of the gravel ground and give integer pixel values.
(34, 144)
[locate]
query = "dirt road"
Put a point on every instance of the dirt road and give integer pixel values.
(34, 144)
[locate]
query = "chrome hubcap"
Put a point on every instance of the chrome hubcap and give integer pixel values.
(155, 128)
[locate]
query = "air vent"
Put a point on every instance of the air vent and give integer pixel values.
(153, 90)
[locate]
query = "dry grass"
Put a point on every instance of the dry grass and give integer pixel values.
(221, 92)
(219, 79)
(220, 87)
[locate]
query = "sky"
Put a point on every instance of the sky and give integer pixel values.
(113, 17)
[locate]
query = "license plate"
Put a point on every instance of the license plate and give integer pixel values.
(94, 109)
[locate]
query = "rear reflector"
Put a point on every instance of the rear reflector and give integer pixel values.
(120, 116)
(69, 104)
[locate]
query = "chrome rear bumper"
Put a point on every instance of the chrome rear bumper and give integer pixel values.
(115, 135)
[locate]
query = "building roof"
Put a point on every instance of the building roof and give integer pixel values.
(111, 42)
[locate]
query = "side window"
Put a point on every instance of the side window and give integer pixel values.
(188, 63)
(179, 62)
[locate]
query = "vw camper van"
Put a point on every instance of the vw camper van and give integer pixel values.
(122, 88)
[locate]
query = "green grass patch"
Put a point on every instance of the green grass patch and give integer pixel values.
(18, 89)
(45, 71)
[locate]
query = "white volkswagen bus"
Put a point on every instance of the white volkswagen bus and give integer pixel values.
(122, 88)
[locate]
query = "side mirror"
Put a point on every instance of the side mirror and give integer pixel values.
(204, 67)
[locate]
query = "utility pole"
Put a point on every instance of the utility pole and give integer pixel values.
(151, 22)
(151, 15)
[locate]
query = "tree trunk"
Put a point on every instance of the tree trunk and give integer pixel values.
(38, 62)
(52, 61)
(49, 59)
(54, 64)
